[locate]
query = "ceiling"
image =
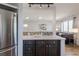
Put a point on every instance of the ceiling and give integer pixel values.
(64, 9)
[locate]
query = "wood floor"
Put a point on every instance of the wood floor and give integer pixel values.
(71, 50)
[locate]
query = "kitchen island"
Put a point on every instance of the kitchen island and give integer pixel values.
(43, 46)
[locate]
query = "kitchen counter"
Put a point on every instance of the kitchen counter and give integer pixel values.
(54, 37)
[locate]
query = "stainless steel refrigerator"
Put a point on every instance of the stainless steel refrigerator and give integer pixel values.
(8, 33)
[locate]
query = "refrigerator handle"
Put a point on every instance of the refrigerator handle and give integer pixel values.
(5, 50)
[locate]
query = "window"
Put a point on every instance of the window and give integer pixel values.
(66, 26)
(70, 25)
(62, 27)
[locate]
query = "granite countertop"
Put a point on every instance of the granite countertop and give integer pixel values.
(54, 37)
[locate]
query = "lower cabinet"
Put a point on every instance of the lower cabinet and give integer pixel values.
(52, 47)
(41, 47)
(28, 48)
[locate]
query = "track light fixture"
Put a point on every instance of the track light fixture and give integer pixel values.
(74, 17)
(48, 5)
(40, 6)
(29, 5)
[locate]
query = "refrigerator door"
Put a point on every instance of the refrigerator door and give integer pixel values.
(8, 32)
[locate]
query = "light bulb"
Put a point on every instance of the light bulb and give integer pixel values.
(25, 25)
(40, 7)
(27, 18)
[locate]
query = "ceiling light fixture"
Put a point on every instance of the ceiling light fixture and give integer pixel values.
(48, 5)
(29, 5)
(40, 6)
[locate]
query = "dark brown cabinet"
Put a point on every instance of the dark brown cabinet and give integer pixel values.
(41, 48)
(52, 47)
(28, 48)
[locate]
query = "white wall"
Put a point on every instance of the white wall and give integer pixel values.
(34, 25)
(34, 12)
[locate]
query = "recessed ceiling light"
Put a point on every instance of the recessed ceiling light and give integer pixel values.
(27, 17)
(25, 25)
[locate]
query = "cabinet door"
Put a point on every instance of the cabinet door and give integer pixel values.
(28, 48)
(58, 48)
(40, 48)
(52, 48)
(51, 52)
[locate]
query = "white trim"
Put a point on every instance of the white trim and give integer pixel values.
(9, 5)
(20, 29)
(62, 47)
